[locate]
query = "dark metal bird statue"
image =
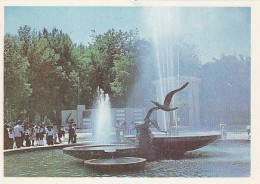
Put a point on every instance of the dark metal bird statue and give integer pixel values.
(148, 122)
(150, 112)
(168, 99)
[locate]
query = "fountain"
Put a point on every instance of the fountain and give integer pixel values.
(148, 146)
(103, 153)
(167, 146)
(166, 46)
(164, 25)
(103, 125)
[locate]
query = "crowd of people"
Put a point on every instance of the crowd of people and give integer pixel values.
(26, 135)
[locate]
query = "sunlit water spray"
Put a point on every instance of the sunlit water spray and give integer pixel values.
(103, 123)
(163, 25)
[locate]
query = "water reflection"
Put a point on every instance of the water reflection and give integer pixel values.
(222, 159)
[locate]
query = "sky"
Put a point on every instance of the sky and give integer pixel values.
(213, 30)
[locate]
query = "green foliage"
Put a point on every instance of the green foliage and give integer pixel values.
(37, 119)
(126, 74)
(189, 60)
(110, 63)
(16, 86)
(44, 73)
(225, 90)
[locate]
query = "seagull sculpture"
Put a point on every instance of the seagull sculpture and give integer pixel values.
(168, 99)
(148, 122)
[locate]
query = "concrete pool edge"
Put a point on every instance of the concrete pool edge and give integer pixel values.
(46, 147)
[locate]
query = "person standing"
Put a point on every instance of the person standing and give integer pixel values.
(248, 129)
(18, 130)
(71, 132)
(6, 137)
(32, 134)
(41, 134)
(63, 131)
(223, 130)
(49, 135)
(37, 131)
(124, 127)
(59, 134)
(118, 129)
(131, 128)
(54, 129)
(11, 138)
(23, 135)
(27, 133)
(75, 134)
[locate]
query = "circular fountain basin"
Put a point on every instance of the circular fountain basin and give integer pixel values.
(101, 151)
(116, 164)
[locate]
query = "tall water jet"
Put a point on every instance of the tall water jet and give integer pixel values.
(103, 123)
(163, 24)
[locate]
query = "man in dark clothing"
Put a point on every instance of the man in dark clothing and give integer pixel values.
(71, 134)
(75, 135)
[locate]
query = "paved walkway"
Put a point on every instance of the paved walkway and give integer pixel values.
(237, 136)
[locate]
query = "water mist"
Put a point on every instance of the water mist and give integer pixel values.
(163, 24)
(103, 123)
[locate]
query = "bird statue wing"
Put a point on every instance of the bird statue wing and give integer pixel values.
(150, 112)
(168, 97)
(155, 124)
(168, 109)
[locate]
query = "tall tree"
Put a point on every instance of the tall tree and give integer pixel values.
(16, 87)
(111, 63)
(225, 90)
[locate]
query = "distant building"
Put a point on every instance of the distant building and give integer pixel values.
(85, 118)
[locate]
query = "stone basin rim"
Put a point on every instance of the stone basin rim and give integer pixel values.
(99, 147)
(180, 136)
(89, 162)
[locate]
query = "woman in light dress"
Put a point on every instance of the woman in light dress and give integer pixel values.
(32, 135)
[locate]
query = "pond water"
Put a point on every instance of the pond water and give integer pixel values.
(219, 159)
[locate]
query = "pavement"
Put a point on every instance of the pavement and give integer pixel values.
(237, 136)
